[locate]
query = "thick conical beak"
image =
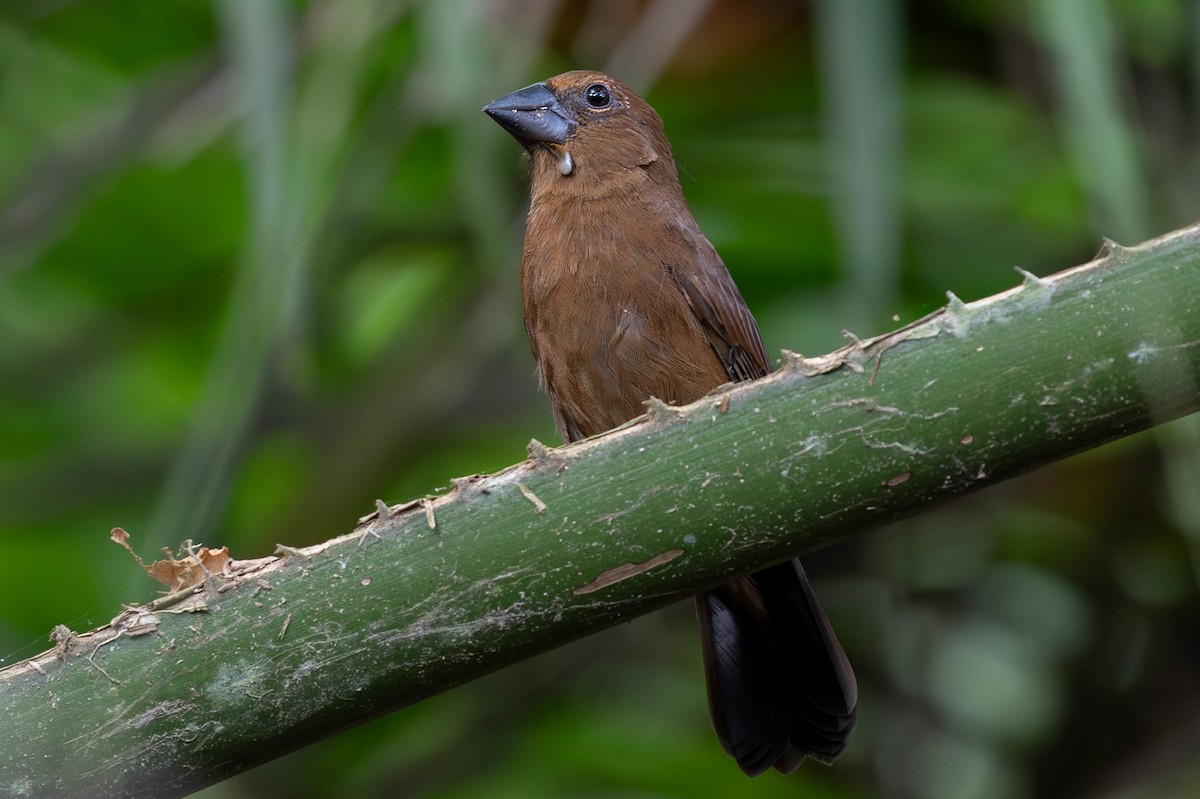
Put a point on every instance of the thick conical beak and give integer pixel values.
(532, 114)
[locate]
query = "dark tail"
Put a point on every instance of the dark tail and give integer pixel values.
(779, 686)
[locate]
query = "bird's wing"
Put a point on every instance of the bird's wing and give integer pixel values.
(722, 313)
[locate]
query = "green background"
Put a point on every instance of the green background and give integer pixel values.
(258, 268)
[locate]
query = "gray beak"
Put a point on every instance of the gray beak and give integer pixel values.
(532, 115)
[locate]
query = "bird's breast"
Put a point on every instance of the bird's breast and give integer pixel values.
(608, 324)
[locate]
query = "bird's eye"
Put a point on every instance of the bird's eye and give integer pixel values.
(597, 95)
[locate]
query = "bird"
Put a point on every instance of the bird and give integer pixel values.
(626, 300)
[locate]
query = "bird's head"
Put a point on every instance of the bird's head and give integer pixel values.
(585, 127)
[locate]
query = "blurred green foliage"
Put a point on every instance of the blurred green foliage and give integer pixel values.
(258, 268)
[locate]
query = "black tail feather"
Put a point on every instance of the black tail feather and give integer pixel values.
(779, 685)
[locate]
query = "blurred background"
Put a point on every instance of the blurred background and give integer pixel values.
(258, 267)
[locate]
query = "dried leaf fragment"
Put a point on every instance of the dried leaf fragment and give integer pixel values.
(178, 573)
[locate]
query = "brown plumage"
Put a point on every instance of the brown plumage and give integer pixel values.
(625, 299)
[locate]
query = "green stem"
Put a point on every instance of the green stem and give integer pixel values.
(280, 652)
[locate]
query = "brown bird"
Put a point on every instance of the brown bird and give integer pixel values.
(625, 299)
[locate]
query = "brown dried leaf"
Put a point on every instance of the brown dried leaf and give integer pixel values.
(185, 572)
(119, 536)
(179, 573)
